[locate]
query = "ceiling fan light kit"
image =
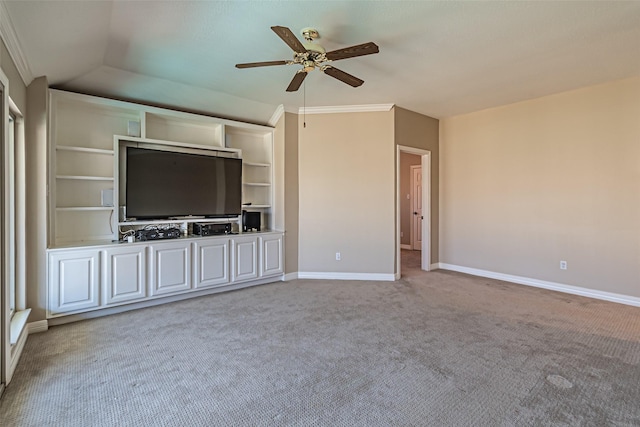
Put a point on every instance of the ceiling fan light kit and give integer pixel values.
(311, 55)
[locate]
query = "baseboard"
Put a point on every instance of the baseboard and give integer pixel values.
(347, 276)
(38, 326)
(434, 266)
(405, 247)
(553, 286)
(290, 276)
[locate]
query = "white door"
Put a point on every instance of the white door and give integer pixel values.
(125, 274)
(244, 258)
(170, 267)
(271, 255)
(74, 281)
(211, 262)
(416, 207)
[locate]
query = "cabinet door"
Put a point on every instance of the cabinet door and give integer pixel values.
(74, 281)
(244, 260)
(271, 255)
(125, 276)
(211, 263)
(170, 267)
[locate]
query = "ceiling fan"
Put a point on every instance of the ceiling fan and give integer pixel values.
(311, 55)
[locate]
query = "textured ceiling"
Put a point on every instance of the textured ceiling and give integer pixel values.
(436, 58)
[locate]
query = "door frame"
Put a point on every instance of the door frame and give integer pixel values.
(425, 156)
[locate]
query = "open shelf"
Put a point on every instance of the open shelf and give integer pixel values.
(260, 165)
(85, 177)
(84, 150)
(84, 208)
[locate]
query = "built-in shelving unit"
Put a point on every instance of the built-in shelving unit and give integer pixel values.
(257, 173)
(83, 184)
(90, 268)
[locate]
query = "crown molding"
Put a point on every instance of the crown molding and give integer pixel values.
(8, 34)
(368, 108)
(273, 121)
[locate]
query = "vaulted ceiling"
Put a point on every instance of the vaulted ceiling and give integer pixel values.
(436, 58)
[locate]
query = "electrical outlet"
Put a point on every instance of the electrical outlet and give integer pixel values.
(402, 234)
(563, 265)
(338, 256)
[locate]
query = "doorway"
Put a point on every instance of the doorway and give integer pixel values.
(413, 204)
(415, 213)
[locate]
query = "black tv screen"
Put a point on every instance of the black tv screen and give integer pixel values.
(164, 184)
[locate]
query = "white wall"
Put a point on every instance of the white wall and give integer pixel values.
(526, 185)
(346, 193)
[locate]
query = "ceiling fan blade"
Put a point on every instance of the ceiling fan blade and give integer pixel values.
(343, 77)
(296, 81)
(261, 64)
(353, 51)
(289, 38)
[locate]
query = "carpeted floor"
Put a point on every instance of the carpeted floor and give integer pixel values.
(433, 349)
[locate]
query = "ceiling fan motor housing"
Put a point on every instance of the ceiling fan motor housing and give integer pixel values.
(310, 33)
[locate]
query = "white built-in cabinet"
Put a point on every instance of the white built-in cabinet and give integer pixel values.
(169, 267)
(211, 263)
(89, 268)
(124, 271)
(245, 258)
(83, 181)
(104, 276)
(76, 275)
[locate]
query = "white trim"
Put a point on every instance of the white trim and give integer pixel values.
(275, 117)
(346, 109)
(347, 276)
(10, 38)
(18, 322)
(553, 286)
(425, 156)
(434, 266)
(16, 352)
(37, 327)
(403, 246)
(289, 276)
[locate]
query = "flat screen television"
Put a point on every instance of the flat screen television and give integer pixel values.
(165, 184)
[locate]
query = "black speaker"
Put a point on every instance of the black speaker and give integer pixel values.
(250, 221)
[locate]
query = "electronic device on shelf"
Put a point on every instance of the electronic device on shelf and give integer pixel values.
(250, 221)
(211, 228)
(157, 233)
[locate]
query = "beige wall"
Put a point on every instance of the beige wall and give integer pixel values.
(346, 187)
(556, 178)
(406, 161)
(419, 131)
(291, 190)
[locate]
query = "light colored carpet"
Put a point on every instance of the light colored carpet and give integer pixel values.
(433, 349)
